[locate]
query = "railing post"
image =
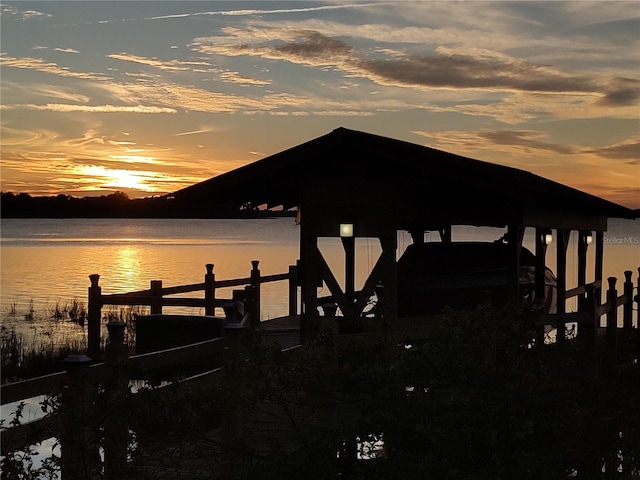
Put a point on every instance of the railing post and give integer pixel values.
(156, 293)
(78, 461)
(612, 319)
(588, 328)
(210, 290)
(94, 315)
(231, 418)
(627, 309)
(293, 290)
(116, 433)
(255, 282)
(250, 305)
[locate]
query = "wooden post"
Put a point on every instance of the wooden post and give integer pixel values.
(514, 240)
(349, 243)
(637, 300)
(612, 320)
(389, 275)
(78, 459)
(116, 433)
(599, 261)
(588, 327)
(309, 318)
(561, 267)
(94, 315)
(210, 290)
(255, 282)
(231, 417)
(293, 290)
(250, 305)
(582, 260)
(541, 252)
(627, 309)
(156, 293)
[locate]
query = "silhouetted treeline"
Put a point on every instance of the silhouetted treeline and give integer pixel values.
(118, 205)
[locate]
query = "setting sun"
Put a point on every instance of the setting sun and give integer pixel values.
(127, 179)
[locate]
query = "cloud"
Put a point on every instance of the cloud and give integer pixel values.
(65, 108)
(45, 67)
(235, 77)
(66, 50)
(246, 12)
(43, 90)
(196, 132)
(447, 68)
(10, 10)
(627, 150)
(167, 65)
(526, 139)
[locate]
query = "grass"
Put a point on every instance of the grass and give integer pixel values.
(35, 343)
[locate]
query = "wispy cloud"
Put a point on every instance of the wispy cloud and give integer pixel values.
(10, 10)
(65, 108)
(41, 65)
(246, 12)
(66, 50)
(167, 65)
(196, 132)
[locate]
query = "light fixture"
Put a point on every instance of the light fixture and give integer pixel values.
(548, 238)
(346, 229)
(588, 238)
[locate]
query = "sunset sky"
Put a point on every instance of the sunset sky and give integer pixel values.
(148, 97)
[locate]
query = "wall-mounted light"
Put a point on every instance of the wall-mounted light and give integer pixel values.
(548, 238)
(588, 238)
(346, 229)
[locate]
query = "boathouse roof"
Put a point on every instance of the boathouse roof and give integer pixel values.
(411, 185)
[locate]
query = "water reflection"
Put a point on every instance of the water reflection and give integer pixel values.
(127, 267)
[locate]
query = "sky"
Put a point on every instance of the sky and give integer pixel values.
(148, 97)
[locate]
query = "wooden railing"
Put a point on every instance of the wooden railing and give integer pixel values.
(590, 310)
(78, 385)
(243, 307)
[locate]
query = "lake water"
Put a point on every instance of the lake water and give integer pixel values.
(45, 262)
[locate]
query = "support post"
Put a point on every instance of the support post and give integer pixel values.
(250, 305)
(255, 283)
(582, 261)
(293, 290)
(588, 327)
(116, 433)
(389, 279)
(599, 263)
(514, 240)
(541, 253)
(309, 318)
(349, 243)
(78, 461)
(627, 309)
(231, 418)
(210, 290)
(561, 267)
(612, 320)
(637, 300)
(156, 293)
(94, 315)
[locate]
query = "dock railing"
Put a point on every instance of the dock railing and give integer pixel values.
(77, 387)
(590, 311)
(244, 306)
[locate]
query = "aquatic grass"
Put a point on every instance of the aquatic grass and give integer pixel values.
(21, 359)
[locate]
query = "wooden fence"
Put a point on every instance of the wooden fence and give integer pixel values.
(243, 306)
(590, 310)
(77, 387)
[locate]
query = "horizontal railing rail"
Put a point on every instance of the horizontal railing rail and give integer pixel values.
(244, 307)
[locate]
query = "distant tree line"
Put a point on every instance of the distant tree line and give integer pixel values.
(119, 205)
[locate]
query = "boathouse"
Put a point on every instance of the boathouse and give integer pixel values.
(351, 184)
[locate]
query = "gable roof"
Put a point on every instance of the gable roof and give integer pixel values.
(421, 176)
